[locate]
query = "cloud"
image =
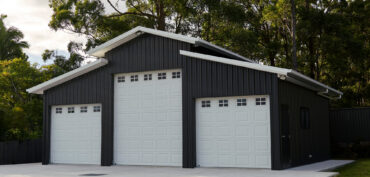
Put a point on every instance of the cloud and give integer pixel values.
(32, 18)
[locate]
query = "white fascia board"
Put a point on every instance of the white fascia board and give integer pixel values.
(302, 76)
(100, 50)
(270, 69)
(39, 89)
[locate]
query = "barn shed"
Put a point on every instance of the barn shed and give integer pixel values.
(163, 99)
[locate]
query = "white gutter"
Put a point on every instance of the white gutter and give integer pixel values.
(39, 89)
(284, 74)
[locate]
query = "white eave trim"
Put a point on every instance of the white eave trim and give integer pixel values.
(39, 89)
(100, 50)
(284, 74)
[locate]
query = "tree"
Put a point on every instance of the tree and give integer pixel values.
(11, 44)
(20, 112)
(63, 64)
(88, 17)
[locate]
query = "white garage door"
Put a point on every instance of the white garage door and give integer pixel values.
(233, 132)
(148, 118)
(75, 134)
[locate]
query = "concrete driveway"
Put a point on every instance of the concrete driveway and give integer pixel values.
(38, 170)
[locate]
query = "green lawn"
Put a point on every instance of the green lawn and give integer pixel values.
(360, 168)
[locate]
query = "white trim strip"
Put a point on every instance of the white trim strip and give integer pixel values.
(100, 50)
(39, 89)
(229, 61)
(303, 80)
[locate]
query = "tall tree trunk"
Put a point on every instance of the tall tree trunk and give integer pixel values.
(311, 54)
(161, 16)
(294, 48)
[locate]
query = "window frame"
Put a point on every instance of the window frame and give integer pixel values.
(58, 110)
(162, 76)
(304, 118)
(83, 109)
(134, 78)
(96, 108)
(206, 103)
(223, 103)
(241, 102)
(147, 77)
(71, 110)
(121, 79)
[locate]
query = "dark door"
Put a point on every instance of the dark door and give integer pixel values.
(285, 136)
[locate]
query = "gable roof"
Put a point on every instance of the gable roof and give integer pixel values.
(100, 50)
(39, 89)
(282, 73)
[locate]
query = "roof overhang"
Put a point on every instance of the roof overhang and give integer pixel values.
(39, 89)
(282, 73)
(100, 50)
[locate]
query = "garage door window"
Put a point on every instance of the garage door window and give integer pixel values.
(176, 75)
(223, 103)
(134, 78)
(121, 79)
(206, 104)
(260, 101)
(58, 110)
(241, 102)
(96, 108)
(161, 76)
(147, 77)
(71, 110)
(83, 109)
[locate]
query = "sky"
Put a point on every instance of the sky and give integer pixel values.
(32, 18)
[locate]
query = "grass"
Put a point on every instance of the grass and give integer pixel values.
(360, 168)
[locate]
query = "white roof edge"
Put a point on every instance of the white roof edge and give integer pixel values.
(39, 89)
(271, 69)
(234, 62)
(100, 50)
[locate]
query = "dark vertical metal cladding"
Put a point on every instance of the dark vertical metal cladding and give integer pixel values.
(199, 79)
(348, 125)
(307, 145)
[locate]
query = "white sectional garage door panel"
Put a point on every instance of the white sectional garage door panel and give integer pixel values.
(148, 119)
(232, 135)
(75, 136)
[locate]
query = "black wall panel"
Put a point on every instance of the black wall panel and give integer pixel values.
(316, 139)
(348, 125)
(200, 79)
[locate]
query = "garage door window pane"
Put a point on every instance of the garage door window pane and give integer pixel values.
(206, 104)
(134, 78)
(147, 77)
(121, 79)
(223, 103)
(83, 109)
(260, 101)
(71, 110)
(96, 108)
(176, 75)
(58, 110)
(241, 102)
(161, 76)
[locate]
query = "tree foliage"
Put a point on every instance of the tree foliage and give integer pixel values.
(332, 37)
(20, 112)
(11, 44)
